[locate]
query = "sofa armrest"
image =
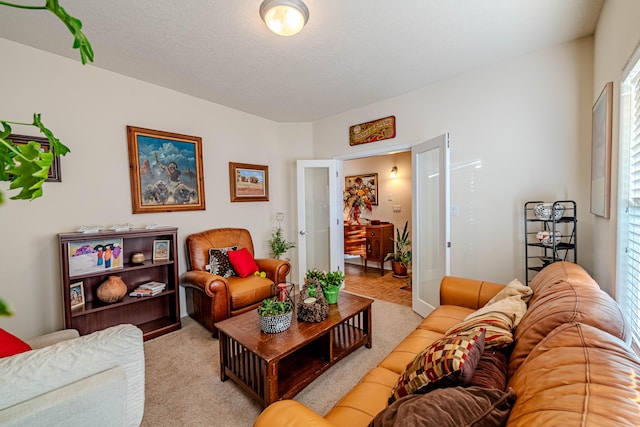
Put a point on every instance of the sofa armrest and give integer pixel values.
(276, 269)
(30, 374)
(211, 284)
(290, 413)
(52, 338)
(469, 293)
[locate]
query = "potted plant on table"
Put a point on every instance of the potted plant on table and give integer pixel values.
(275, 316)
(401, 256)
(330, 283)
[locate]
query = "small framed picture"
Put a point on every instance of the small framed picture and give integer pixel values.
(161, 250)
(76, 295)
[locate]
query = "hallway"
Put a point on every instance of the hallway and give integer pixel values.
(371, 284)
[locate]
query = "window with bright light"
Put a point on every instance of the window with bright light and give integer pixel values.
(628, 282)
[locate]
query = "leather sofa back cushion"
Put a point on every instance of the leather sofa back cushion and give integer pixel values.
(198, 244)
(577, 366)
(571, 300)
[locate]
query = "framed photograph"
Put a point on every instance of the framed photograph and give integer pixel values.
(364, 186)
(165, 170)
(161, 249)
(54, 171)
(601, 152)
(90, 256)
(76, 295)
(248, 183)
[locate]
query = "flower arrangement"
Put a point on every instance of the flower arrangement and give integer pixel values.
(360, 194)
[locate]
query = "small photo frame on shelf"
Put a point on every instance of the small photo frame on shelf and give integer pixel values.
(161, 250)
(76, 295)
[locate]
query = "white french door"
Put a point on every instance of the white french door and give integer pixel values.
(320, 231)
(430, 231)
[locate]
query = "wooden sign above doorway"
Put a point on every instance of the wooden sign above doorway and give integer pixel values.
(376, 130)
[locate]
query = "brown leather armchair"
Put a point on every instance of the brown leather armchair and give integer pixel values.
(212, 298)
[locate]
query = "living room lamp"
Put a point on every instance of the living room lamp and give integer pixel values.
(284, 17)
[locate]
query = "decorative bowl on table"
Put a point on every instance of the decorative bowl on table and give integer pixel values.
(545, 237)
(544, 211)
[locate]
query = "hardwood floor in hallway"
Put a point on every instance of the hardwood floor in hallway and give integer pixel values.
(371, 284)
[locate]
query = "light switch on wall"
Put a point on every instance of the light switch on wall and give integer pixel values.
(396, 208)
(389, 197)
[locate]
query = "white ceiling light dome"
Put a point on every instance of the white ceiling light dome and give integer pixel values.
(284, 17)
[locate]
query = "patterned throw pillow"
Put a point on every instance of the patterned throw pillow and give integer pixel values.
(449, 361)
(219, 261)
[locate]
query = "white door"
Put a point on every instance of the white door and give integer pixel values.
(430, 240)
(320, 230)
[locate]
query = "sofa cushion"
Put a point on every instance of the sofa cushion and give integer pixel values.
(449, 407)
(573, 297)
(447, 362)
(243, 262)
(491, 371)
(244, 292)
(219, 261)
(578, 375)
(10, 344)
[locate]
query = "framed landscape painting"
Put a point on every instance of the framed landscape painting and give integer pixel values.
(248, 183)
(165, 171)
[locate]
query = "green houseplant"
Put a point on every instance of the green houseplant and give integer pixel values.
(330, 283)
(275, 316)
(25, 166)
(278, 243)
(401, 256)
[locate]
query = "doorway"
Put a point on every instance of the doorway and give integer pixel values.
(392, 205)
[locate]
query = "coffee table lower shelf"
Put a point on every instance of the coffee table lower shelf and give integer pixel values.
(272, 367)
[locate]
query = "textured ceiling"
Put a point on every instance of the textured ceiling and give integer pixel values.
(351, 53)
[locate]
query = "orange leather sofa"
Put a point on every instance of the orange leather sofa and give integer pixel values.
(212, 298)
(570, 363)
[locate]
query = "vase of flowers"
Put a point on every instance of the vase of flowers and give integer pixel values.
(358, 195)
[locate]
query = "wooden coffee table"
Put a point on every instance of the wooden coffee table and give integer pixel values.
(272, 367)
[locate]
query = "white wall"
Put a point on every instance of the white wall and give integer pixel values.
(525, 120)
(616, 38)
(88, 109)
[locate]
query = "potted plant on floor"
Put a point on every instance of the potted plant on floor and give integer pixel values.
(275, 316)
(401, 256)
(278, 243)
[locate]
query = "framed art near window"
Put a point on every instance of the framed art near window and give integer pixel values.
(165, 170)
(601, 152)
(248, 183)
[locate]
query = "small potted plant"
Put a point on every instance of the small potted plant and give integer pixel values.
(278, 243)
(330, 283)
(401, 256)
(275, 316)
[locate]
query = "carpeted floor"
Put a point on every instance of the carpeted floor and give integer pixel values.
(372, 285)
(183, 386)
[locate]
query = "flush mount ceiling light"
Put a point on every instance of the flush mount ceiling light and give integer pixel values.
(284, 17)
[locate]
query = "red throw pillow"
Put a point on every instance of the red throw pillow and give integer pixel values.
(243, 262)
(10, 345)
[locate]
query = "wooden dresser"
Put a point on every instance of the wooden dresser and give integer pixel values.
(371, 242)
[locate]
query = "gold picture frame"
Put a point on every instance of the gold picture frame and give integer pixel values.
(248, 183)
(165, 170)
(601, 127)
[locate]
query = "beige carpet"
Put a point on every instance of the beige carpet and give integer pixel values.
(183, 386)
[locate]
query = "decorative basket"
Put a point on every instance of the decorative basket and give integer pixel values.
(544, 211)
(318, 310)
(275, 324)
